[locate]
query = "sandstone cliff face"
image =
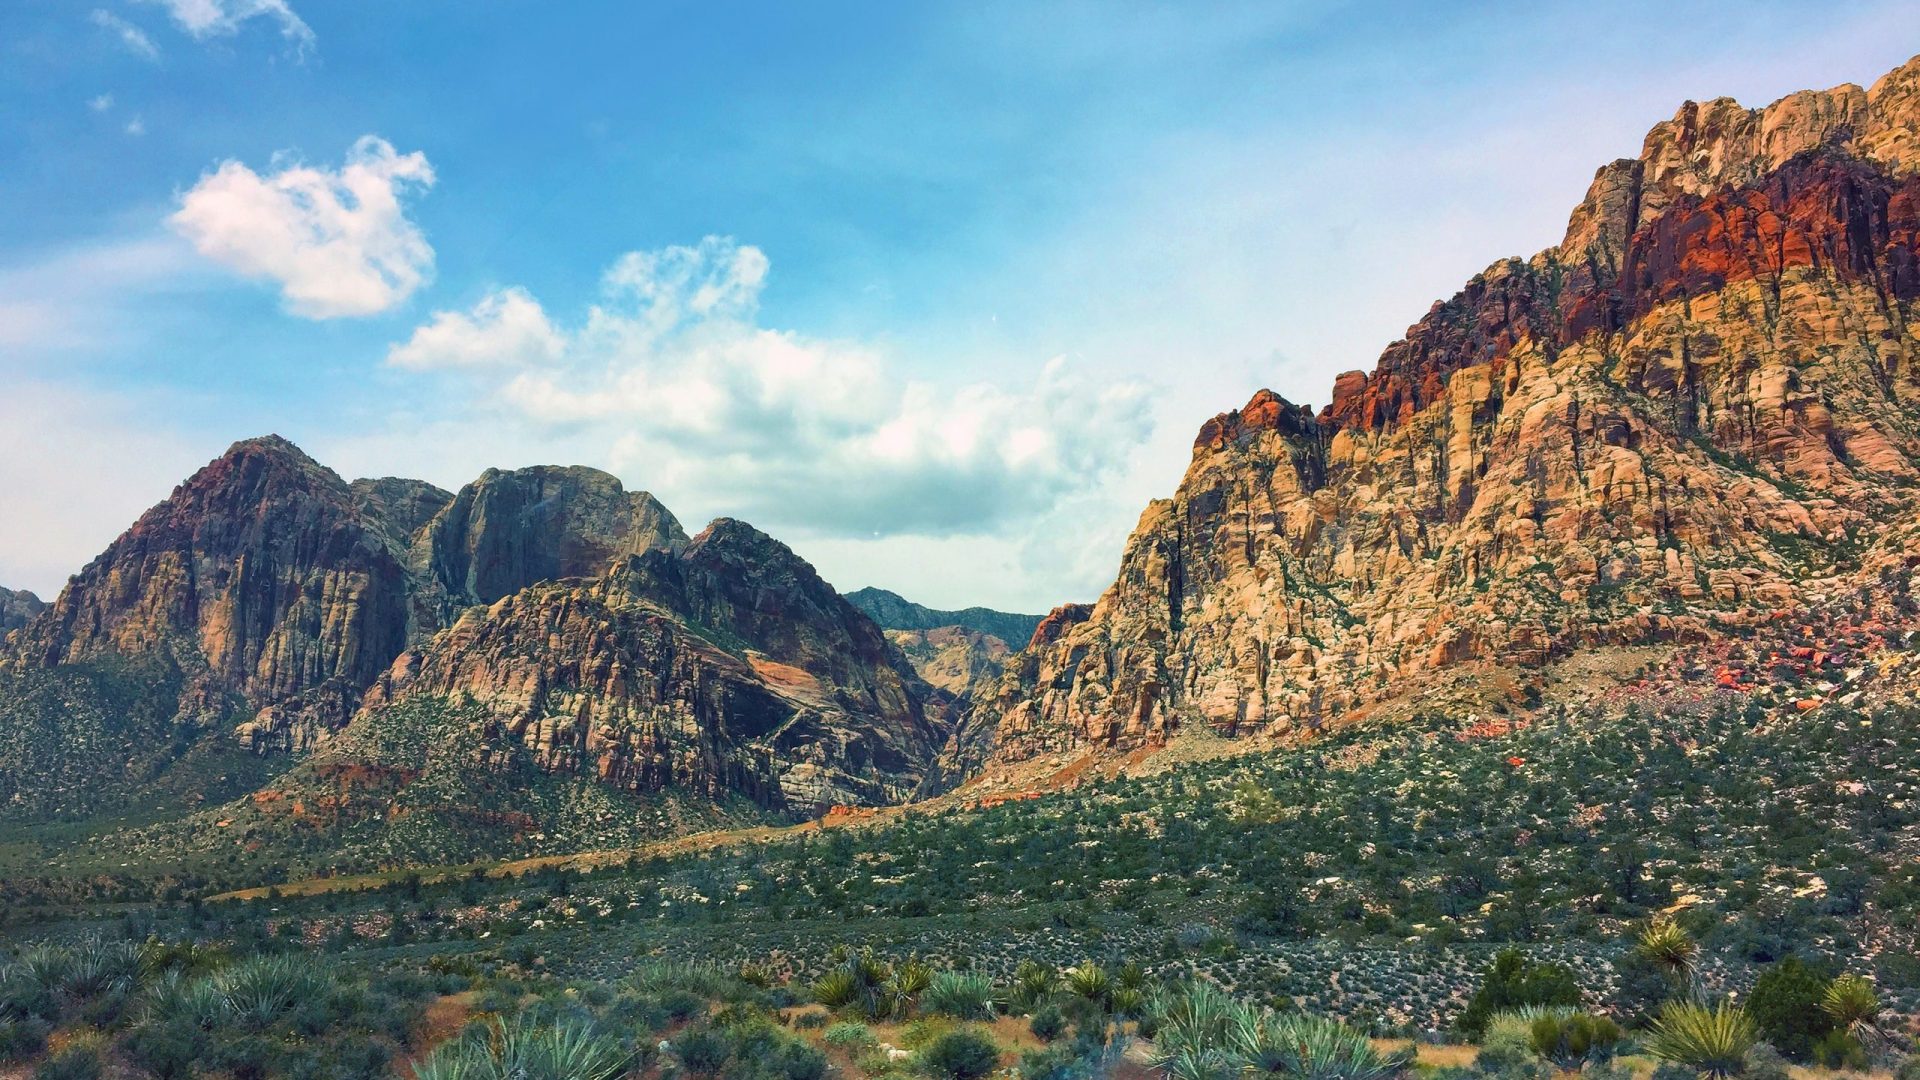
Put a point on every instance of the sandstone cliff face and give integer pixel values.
(1668, 427)
(263, 580)
(724, 668)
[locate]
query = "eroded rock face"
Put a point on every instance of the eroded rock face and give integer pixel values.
(264, 580)
(17, 608)
(510, 529)
(726, 667)
(895, 612)
(1664, 429)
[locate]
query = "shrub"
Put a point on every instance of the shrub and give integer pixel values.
(527, 1050)
(22, 1038)
(1047, 1023)
(1786, 1002)
(1576, 1039)
(1909, 1069)
(1713, 1041)
(1839, 1050)
(850, 1035)
(1669, 1070)
(960, 1055)
(1763, 1062)
(1853, 1005)
(1514, 982)
(809, 1021)
(80, 1059)
(704, 1051)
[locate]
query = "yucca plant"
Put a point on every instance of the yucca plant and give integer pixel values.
(963, 995)
(1197, 1018)
(1090, 982)
(1668, 947)
(195, 1002)
(867, 983)
(520, 1049)
(905, 986)
(1326, 1049)
(1713, 1041)
(98, 967)
(266, 988)
(1033, 983)
(1188, 1063)
(1576, 1039)
(1853, 1005)
(836, 989)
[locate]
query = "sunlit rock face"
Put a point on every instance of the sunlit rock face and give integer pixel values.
(1698, 409)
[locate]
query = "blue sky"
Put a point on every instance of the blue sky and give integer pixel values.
(938, 293)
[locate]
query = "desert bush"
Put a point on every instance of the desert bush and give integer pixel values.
(22, 1038)
(1047, 1023)
(1514, 982)
(959, 1055)
(850, 1035)
(1786, 1004)
(1763, 1062)
(1574, 1040)
(80, 1059)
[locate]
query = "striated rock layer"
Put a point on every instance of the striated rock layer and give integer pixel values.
(1675, 423)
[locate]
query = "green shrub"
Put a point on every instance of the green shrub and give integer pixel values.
(1763, 1062)
(1047, 1023)
(1574, 1040)
(80, 1059)
(959, 1055)
(1514, 982)
(1671, 1070)
(1786, 1004)
(703, 1051)
(850, 1035)
(1909, 1068)
(22, 1038)
(1839, 1050)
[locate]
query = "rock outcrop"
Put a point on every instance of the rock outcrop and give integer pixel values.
(719, 667)
(1665, 429)
(17, 608)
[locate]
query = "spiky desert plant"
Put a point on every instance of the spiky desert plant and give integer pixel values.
(861, 981)
(1131, 976)
(1090, 982)
(1033, 983)
(1197, 1018)
(1666, 944)
(1711, 1040)
(97, 967)
(906, 984)
(195, 1002)
(260, 991)
(1853, 1005)
(963, 995)
(1311, 1048)
(522, 1049)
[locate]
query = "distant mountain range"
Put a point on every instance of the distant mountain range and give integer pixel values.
(895, 612)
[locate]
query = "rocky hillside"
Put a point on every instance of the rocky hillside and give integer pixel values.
(571, 626)
(17, 607)
(895, 612)
(1697, 415)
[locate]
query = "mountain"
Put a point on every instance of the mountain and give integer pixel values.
(1696, 420)
(17, 607)
(895, 612)
(539, 622)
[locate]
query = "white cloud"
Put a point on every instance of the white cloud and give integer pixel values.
(136, 126)
(134, 39)
(223, 18)
(702, 404)
(101, 103)
(338, 242)
(507, 328)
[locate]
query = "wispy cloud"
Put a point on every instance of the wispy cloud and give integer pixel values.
(338, 242)
(223, 18)
(100, 103)
(134, 39)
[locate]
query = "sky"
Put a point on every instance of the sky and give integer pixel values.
(937, 293)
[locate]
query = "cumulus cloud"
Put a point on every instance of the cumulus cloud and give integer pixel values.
(223, 18)
(695, 396)
(507, 328)
(131, 37)
(337, 242)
